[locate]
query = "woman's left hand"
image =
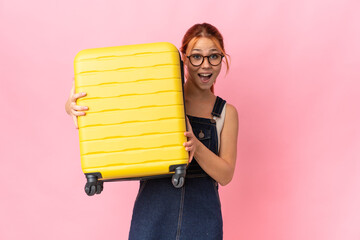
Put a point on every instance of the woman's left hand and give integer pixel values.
(192, 142)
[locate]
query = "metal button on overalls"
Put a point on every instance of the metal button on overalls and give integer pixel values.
(201, 134)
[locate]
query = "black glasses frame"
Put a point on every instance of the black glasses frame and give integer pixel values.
(203, 58)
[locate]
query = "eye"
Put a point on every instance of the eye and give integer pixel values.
(196, 56)
(214, 56)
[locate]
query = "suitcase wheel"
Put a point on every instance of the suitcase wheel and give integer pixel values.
(93, 185)
(178, 179)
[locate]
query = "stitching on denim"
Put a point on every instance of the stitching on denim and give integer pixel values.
(203, 122)
(216, 189)
(180, 213)
(217, 112)
(214, 110)
(221, 107)
(216, 143)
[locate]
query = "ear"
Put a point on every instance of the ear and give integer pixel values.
(183, 57)
(185, 60)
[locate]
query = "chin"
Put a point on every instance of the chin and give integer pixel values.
(205, 86)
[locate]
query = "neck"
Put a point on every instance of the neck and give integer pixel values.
(193, 92)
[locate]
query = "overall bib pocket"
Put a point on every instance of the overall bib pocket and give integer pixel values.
(203, 135)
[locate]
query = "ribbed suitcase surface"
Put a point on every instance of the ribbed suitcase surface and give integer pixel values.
(136, 122)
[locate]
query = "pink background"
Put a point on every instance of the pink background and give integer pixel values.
(294, 79)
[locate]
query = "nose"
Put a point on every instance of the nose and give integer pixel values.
(206, 63)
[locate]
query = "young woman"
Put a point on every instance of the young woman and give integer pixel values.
(193, 211)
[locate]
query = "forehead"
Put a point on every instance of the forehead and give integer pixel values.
(205, 45)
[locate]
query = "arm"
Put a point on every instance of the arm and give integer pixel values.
(221, 168)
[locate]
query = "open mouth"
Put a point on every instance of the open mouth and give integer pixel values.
(205, 77)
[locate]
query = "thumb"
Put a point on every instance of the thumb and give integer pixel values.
(72, 91)
(191, 156)
(75, 122)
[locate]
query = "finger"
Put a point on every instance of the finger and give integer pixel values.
(79, 108)
(75, 107)
(191, 156)
(75, 122)
(189, 134)
(77, 113)
(189, 143)
(75, 96)
(189, 149)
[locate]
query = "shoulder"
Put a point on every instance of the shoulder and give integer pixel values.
(231, 113)
(231, 109)
(231, 127)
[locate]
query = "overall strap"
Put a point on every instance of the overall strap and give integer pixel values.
(218, 106)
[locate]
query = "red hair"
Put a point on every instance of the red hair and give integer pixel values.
(203, 30)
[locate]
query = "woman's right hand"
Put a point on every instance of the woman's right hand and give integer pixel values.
(72, 109)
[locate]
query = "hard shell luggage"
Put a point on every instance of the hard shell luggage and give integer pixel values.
(134, 128)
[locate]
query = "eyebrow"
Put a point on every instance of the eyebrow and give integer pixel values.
(212, 50)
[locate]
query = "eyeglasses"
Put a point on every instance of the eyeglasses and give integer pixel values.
(198, 59)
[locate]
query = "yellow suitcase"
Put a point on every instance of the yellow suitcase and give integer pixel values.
(134, 128)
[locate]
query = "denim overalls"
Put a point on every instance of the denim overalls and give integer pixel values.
(163, 212)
